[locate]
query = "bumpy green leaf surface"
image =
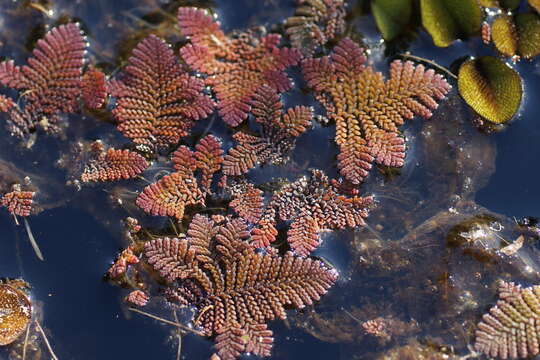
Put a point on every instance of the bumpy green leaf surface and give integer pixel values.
(504, 35)
(491, 88)
(528, 27)
(448, 20)
(391, 16)
(517, 36)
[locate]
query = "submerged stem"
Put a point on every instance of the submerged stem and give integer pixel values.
(33, 240)
(178, 325)
(40, 329)
(430, 62)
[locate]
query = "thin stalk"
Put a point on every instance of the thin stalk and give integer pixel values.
(25, 342)
(33, 240)
(40, 329)
(430, 62)
(179, 335)
(178, 325)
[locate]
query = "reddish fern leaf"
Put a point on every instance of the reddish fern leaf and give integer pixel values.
(247, 202)
(120, 266)
(314, 23)
(170, 195)
(234, 289)
(254, 339)
(94, 88)
(272, 282)
(265, 232)
(18, 202)
(236, 67)
(511, 328)
(209, 156)
(278, 135)
(313, 204)
(189, 185)
(51, 82)
(173, 258)
(157, 100)
(137, 297)
(367, 110)
(303, 235)
(245, 156)
(5, 103)
(200, 234)
(184, 160)
(112, 165)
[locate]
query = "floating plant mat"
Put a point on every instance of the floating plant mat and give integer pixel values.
(185, 180)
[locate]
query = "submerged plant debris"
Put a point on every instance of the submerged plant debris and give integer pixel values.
(234, 141)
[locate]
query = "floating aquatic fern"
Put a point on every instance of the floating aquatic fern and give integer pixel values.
(235, 67)
(50, 84)
(368, 110)
(235, 290)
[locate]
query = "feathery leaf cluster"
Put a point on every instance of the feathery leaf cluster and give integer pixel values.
(278, 134)
(170, 195)
(314, 23)
(314, 204)
(18, 202)
(511, 329)
(234, 289)
(112, 164)
(157, 101)
(236, 67)
(368, 110)
(51, 82)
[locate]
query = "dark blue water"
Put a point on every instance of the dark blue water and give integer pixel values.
(80, 232)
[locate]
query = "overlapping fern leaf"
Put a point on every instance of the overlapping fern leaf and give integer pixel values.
(367, 109)
(49, 85)
(234, 289)
(157, 101)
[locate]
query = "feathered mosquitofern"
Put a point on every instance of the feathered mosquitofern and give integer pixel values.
(511, 329)
(312, 204)
(236, 67)
(277, 137)
(157, 101)
(234, 289)
(189, 184)
(49, 85)
(367, 109)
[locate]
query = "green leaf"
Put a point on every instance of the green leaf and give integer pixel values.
(491, 88)
(528, 28)
(448, 20)
(489, 3)
(391, 16)
(517, 36)
(504, 35)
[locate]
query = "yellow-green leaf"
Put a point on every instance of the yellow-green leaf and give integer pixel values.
(528, 28)
(504, 35)
(489, 3)
(448, 20)
(391, 16)
(491, 88)
(517, 36)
